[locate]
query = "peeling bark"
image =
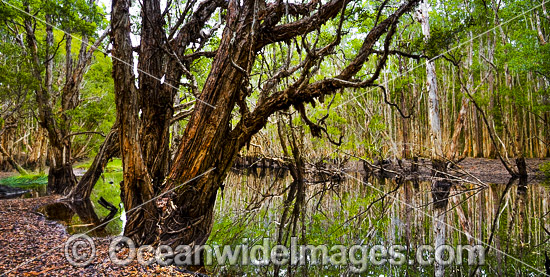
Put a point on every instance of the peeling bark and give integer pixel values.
(136, 187)
(184, 212)
(440, 186)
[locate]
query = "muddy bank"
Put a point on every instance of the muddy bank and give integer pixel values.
(489, 171)
(469, 169)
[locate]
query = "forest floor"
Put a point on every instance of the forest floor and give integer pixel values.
(6, 174)
(30, 245)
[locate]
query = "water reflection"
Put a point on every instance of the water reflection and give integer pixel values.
(80, 217)
(512, 218)
(95, 214)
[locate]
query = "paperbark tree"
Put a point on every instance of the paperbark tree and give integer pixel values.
(61, 178)
(440, 186)
(210, 143)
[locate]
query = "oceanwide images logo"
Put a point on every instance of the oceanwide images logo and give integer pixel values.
(80, 251)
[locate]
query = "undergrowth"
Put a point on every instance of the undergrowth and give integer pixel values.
(26, 181)
(115, 165)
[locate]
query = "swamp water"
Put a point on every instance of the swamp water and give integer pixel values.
(514, 217)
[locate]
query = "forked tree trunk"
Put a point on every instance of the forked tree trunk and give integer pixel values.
(183, 214)
(136, 187)
(61, 178)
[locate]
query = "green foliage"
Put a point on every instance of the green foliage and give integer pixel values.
(17, 83)
(26, 181)
(115, 165)
(97, 111)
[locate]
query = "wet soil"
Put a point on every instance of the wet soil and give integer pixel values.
(476, 170)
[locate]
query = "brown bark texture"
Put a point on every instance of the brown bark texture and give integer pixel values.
(171, 201)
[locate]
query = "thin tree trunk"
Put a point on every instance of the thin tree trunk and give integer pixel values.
(459, 126)
(491, 44)
(13, 162)
(440, 187)
(108, 149)
(460, 123)
(406, 152)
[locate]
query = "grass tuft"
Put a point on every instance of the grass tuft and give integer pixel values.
(25, 181)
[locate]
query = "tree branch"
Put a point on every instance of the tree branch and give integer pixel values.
(403, 54)
(300, 91)
(84, 133)
(269, 34)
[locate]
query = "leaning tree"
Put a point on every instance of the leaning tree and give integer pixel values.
(236, 98)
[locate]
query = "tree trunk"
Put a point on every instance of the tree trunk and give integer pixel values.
(61, 178)
(440, 187)
(491, 44)
(136, 187)
(460, 123)
(459, 126)
(406, 151)
(207, 142)
(13, 162)
(109, 149)
(156, 99)
(40, 147)
(184, 212)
